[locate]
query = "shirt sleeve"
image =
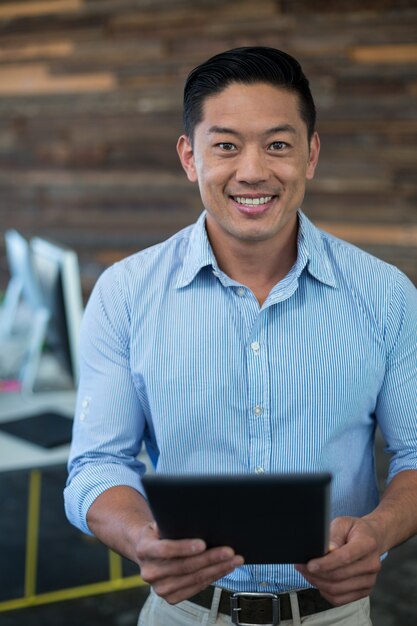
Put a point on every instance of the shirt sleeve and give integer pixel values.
(396, 409)
(109, 421)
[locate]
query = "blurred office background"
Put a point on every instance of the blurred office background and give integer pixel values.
(90, 111)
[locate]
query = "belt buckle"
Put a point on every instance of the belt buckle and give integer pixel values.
(234, 607)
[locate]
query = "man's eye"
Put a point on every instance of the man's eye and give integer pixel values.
(228, 147)
(278, 145)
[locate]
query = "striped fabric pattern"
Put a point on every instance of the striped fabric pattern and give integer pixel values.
(178, 355)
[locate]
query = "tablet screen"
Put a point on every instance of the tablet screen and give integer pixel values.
(271, 518)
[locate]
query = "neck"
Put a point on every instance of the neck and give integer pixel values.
(259, 265)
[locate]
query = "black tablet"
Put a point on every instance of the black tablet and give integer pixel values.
(267, 519)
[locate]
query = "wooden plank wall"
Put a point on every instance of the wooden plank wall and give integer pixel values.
(90, 109)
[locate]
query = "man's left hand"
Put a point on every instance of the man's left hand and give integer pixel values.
(349, 570)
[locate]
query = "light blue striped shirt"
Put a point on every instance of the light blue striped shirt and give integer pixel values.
(178, 355)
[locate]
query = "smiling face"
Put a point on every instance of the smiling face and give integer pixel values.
(251, 158)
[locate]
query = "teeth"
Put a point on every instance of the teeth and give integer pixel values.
(253, 201)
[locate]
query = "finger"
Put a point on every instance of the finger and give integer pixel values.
(176, 589)
(155, 569)
(369, 565)
(331, 587)
(334, 590)
(151, 547)
(348, 591)
(154, 527)
(340, 528)
(151, 544)
(356, 550)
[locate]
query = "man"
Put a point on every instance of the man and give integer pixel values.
(250, 342)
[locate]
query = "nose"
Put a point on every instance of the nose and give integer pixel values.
(251, 166)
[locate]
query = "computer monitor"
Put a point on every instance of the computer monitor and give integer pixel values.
(20, 265)
(23, 294)
(23, 319)
(57, 271)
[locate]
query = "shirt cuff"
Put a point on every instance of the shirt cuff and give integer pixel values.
(85, 486)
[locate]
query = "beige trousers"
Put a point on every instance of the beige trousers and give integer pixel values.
(157, 612)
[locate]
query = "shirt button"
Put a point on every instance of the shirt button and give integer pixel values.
(240, 292)
(255, 345)
(263, 583)
(260, 470)
(82, 417)
(86, 403)
(257, 410)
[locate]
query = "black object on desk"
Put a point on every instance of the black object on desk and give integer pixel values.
(47, 429)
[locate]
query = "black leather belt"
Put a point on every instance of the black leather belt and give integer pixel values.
(262, 608)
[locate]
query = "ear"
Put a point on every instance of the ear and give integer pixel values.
(186, 155)
(313, 156)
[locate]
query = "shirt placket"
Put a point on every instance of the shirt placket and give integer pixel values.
(259, 396)
(255, 336)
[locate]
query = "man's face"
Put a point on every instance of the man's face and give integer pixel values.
(251, 158)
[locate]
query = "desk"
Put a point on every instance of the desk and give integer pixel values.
(35, 461)
(17, 453)
(18, 404)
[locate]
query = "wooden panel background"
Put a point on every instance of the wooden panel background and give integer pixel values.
(90, 110)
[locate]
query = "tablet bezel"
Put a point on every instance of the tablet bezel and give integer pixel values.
(273, 518)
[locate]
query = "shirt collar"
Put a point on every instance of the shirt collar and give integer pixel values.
(311, 246)
(198, 254)
(311, 253)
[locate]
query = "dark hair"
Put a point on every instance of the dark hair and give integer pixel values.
(247, 65)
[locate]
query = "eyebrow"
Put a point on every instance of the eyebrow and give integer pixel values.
(223, 130)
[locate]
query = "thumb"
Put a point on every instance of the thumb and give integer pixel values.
(339, 532)
(153, 527)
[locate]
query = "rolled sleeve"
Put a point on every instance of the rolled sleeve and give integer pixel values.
(397, 401)
(109, 421)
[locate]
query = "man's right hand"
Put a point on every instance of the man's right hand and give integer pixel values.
(178, 569)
